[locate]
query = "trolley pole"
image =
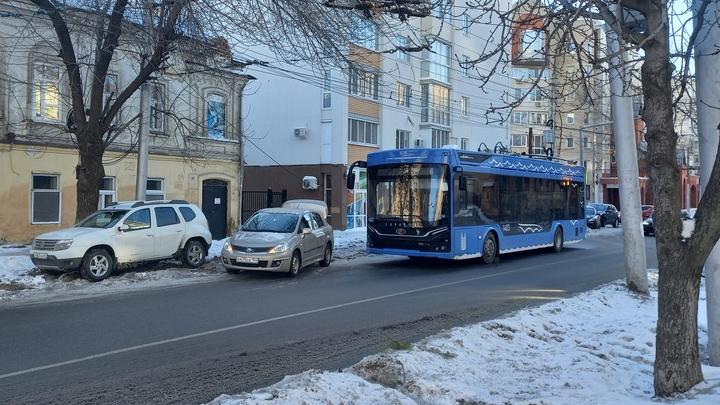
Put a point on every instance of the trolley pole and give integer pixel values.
(707, 71)
(582, 153)
(627, 164)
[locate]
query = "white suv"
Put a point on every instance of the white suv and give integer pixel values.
(127, 232)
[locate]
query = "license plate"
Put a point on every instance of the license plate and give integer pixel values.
(40, 255)
(252, 260)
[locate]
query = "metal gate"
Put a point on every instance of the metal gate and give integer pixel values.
(253, 201)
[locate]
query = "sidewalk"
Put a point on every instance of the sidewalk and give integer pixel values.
(595, 348)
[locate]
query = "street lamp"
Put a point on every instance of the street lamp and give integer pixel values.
(582, 149)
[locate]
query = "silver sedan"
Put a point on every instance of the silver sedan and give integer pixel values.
(282, 240)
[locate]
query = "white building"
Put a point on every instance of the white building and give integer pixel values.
(310, 121)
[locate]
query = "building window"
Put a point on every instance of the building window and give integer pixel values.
(570, 142)
(538, 118)
(110, 88)
(466, 24)
(464, 144)
(327, 86)
(363, 84)
(520, 117)
(529, 73)
(453, 141)
(586, 142)
(518, 140)
(402, 139)
(532, 45)
(404, 92)
(570, 97)
(154, 189)
(537, 145)
(216, 116)
(157, 107)
(537, 95)
(402, 42)
(45, 199)
(362, 132)
(435, 104)
(47, 92)
(570, 118)
(108, 193)
(440, 138)
(364, 33)
(436, 64)
(464, 106)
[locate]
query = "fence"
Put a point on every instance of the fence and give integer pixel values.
(253, 201)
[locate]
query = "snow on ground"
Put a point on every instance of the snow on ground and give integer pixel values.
(688, 227)
(594, 348)
(16, 268)
(216, 248)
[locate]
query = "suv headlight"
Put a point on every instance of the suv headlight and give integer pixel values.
(279, 249)
(63, 244)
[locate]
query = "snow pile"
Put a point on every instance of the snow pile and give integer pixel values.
(688, 227)
(350, 238)
(594, 348)
(16, 267)
(319, 388)
(216, 248)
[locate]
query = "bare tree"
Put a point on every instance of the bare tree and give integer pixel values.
(152, 36)
(659, 36)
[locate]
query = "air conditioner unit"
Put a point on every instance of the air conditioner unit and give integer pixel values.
(310, 183)
(419, 143)
(302, 132)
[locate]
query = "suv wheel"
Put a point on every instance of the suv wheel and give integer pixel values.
(194, 253)
(97, 265)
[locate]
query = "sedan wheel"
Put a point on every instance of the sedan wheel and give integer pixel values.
(325, 262)
(295, 264)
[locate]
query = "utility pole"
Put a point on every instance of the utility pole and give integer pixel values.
(530, 141)
(627, 164)
(143, 146)
(144, 123)
(707, 73)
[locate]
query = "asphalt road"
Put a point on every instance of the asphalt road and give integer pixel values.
(191, 343)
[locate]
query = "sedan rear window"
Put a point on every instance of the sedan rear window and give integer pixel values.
(271, 222)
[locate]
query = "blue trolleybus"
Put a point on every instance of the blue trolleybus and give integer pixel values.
(454, 204)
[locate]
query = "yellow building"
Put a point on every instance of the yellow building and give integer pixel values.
(192, 121)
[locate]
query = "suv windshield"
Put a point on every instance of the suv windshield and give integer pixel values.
(271, 222)
(102, 219)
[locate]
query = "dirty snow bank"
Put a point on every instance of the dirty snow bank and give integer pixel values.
(16, 267)
(594, 348)
(606, 231)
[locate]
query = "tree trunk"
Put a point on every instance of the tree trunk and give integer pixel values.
(90, 173)
(677, 360)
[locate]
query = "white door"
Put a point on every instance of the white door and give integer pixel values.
(137, 241)
(169, 231)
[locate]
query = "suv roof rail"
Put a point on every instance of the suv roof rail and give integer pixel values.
(156, 202)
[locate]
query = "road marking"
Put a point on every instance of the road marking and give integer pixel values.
(283, 317)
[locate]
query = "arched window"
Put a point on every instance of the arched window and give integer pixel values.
(215, 116)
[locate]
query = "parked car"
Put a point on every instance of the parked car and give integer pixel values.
(608, 214)
(647, 211)
(649, 224)
(592, 218)
(127, 232)
(280, 240)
